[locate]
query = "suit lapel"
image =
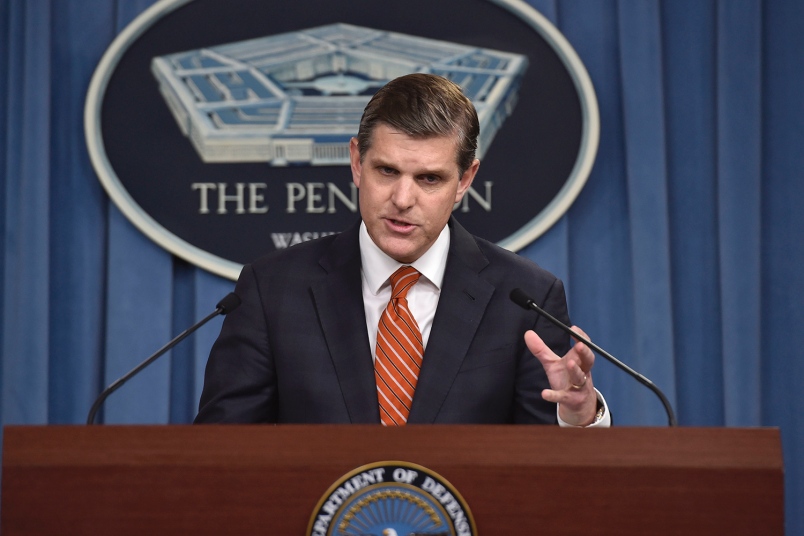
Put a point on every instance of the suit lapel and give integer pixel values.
(463, 301)
(339, 302)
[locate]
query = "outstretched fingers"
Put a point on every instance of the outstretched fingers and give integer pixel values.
(570, 377)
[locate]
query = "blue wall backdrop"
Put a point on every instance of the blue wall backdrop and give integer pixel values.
(683, 255)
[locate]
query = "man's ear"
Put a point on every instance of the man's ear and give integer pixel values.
(466, 180)
(354, 160)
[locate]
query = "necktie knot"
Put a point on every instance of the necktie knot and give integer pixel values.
(401, 281)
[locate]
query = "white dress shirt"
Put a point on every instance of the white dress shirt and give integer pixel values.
(376, 270)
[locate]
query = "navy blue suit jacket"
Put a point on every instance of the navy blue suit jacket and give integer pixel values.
(296, 350)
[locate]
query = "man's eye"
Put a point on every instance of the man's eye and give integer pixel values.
(387, 170)
(430, 179)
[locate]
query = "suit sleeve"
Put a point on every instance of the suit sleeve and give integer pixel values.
(240, 379)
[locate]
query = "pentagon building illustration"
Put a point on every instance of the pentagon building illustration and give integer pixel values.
(297, 98)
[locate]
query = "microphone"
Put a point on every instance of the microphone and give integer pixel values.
(519, 297)
(229, 303)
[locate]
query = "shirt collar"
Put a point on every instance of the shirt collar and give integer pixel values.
(377, 266)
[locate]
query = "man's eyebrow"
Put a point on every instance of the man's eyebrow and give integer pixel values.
(441, 172)
(380, 162)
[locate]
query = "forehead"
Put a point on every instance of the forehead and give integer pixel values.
(393, 147)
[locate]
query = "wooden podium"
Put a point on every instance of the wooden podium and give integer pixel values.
(267, 480)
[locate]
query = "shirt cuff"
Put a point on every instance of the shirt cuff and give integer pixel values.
(603, 421)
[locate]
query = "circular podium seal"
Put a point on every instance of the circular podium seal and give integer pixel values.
(391, 498)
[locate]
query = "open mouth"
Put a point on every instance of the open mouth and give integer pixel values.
(399, 224)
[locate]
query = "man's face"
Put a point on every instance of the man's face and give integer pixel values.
(407, 187)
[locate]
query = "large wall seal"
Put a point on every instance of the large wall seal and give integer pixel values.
(218, 128)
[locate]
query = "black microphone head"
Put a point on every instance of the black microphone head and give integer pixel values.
(519, 297)
(229, 303)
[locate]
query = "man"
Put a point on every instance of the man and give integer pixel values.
(319, 339)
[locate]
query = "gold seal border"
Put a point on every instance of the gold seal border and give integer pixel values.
(395, 463)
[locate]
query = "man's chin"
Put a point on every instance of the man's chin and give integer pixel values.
(404, 252)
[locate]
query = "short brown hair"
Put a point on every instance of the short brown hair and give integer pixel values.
(423, 105)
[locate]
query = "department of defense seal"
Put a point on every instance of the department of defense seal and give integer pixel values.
(391, 498)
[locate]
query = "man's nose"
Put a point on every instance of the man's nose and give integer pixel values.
(403, 195)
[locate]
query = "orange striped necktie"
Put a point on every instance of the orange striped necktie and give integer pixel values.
(399, 351)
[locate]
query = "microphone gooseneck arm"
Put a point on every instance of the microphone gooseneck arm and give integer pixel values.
(519, 297)
(229, 303)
